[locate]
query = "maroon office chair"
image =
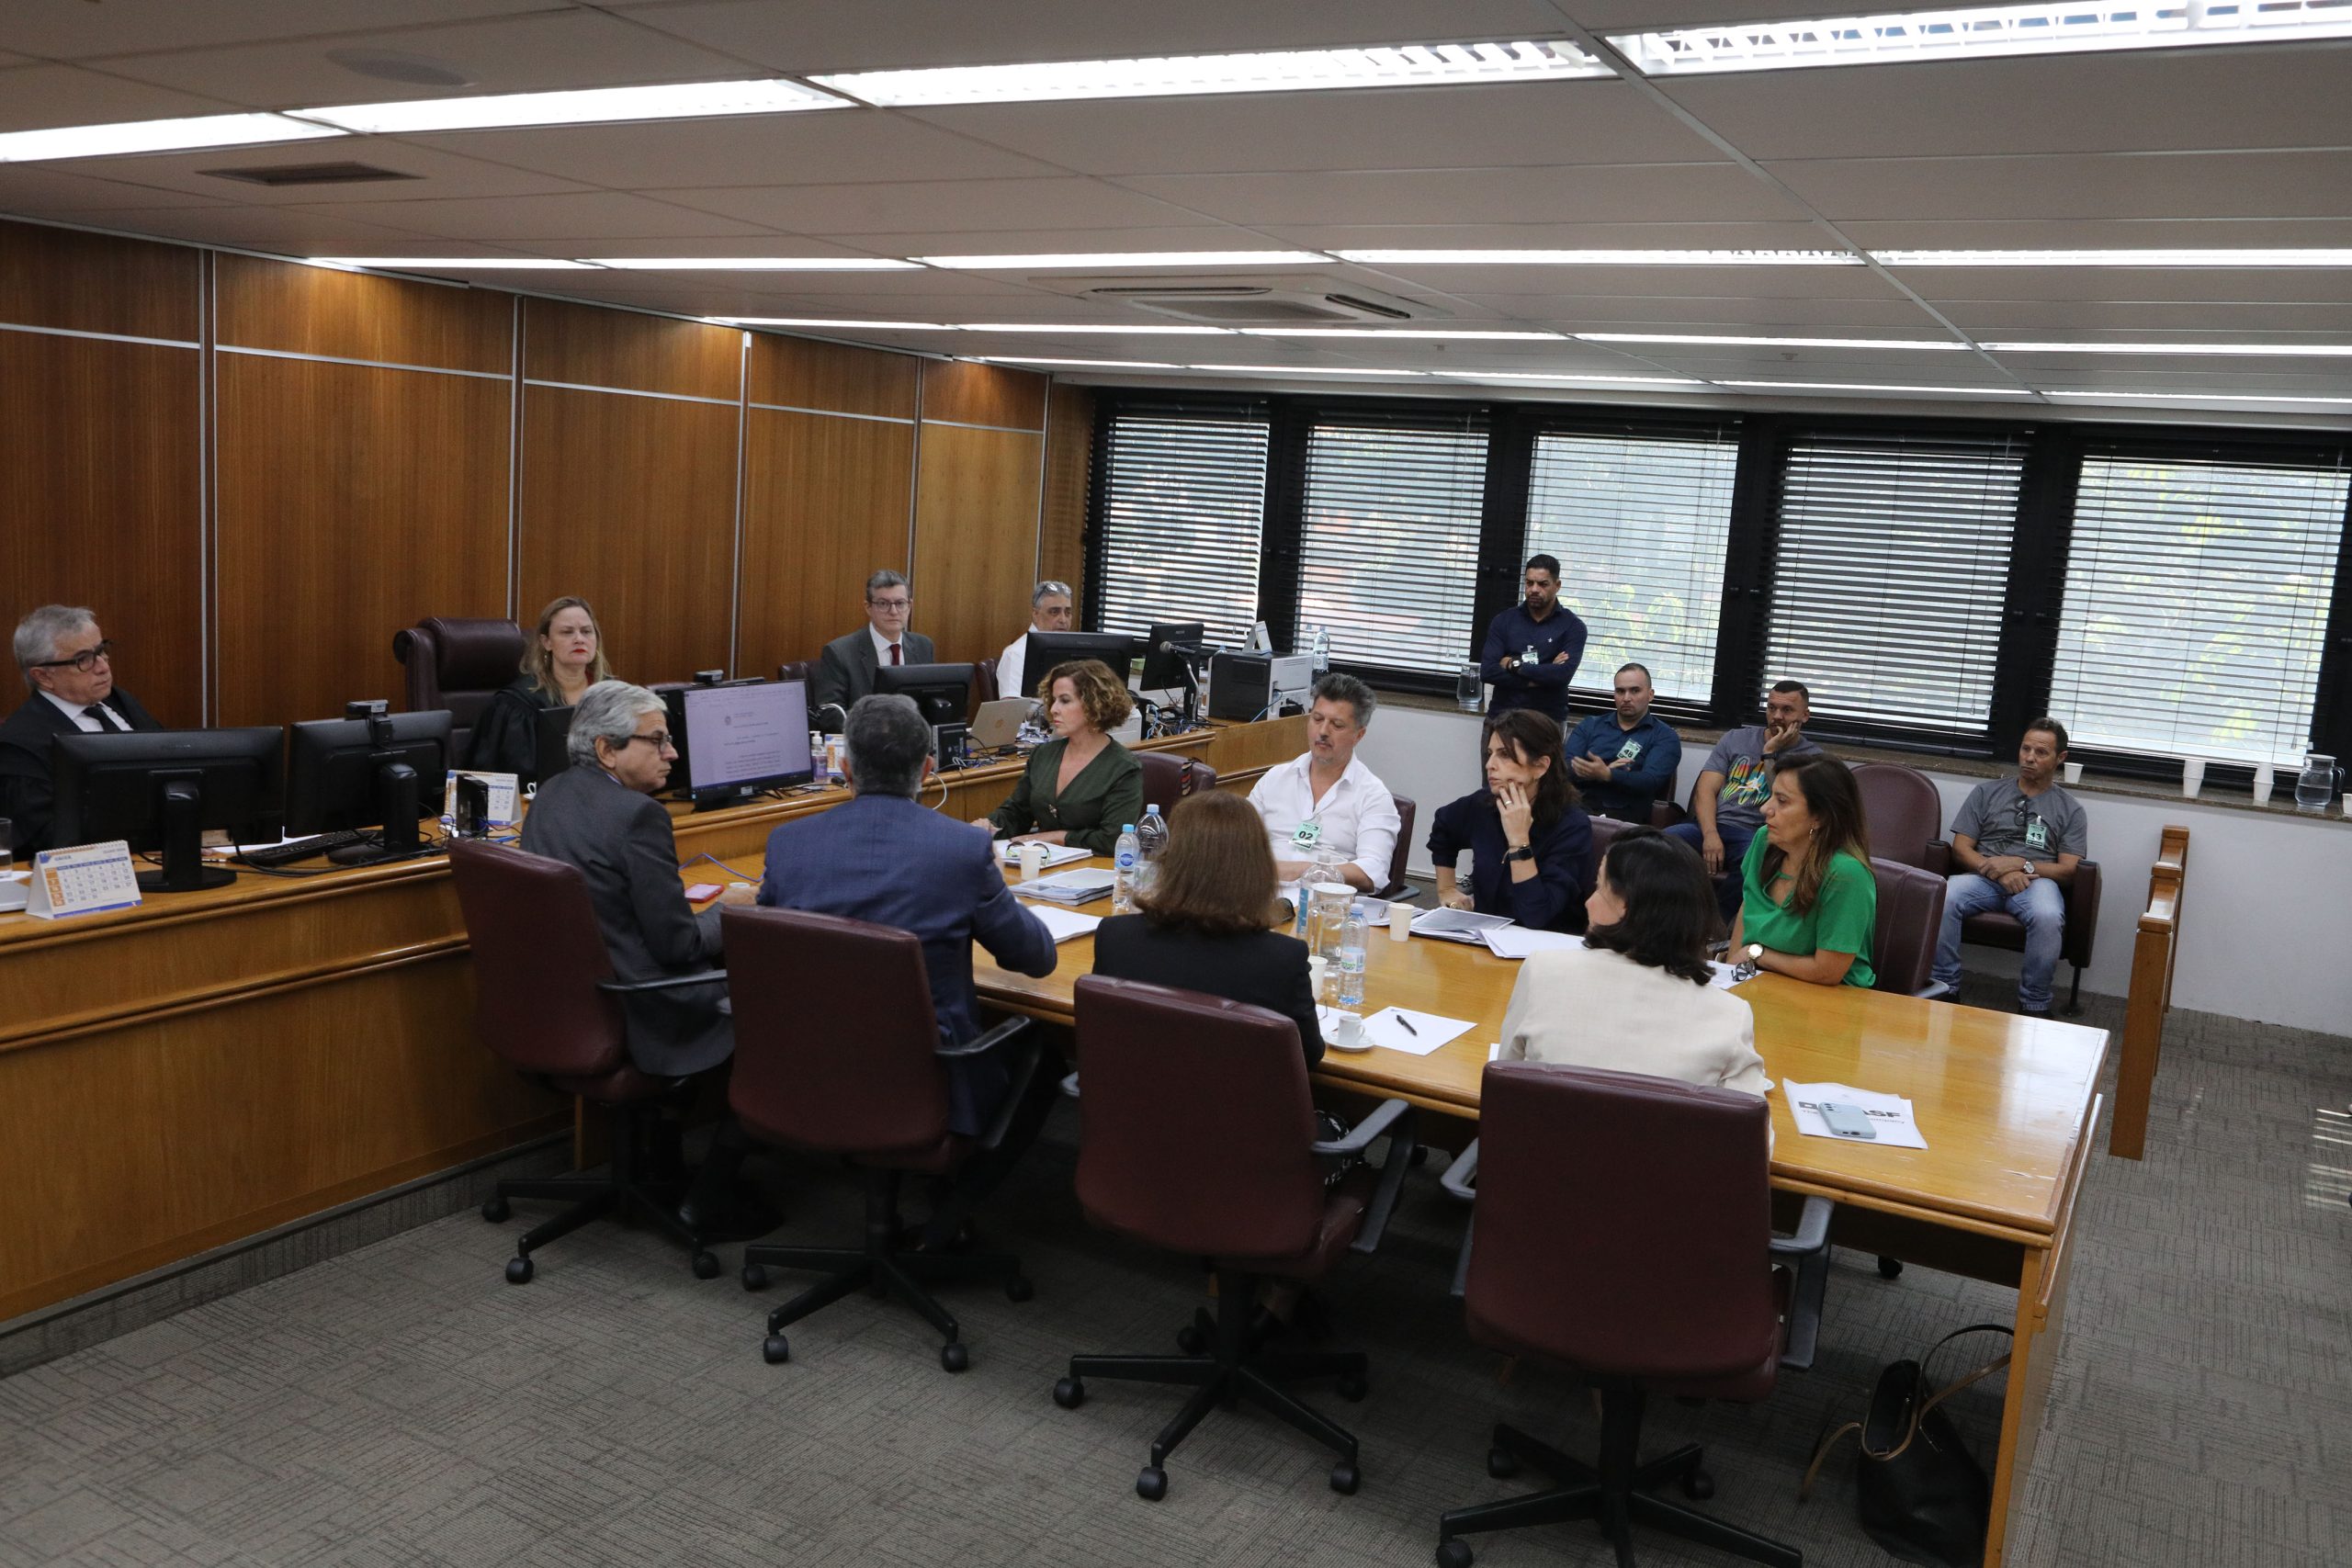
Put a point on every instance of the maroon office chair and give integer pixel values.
(1169, 778)
(1197, 1135)
(837, 1052)
(1910, 919)
(984, 681)
(459, 664)
(545, 1002)
(794, 670)
(1396, 887)
(1623, 1231)
(1999, 928)
(1903, 809)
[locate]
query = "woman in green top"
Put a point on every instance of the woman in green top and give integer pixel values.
(1808, 898)
(1081, 786)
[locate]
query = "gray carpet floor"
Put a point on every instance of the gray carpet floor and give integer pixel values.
(403, 1406)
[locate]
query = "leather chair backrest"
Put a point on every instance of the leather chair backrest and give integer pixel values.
(1407, 811)
(1604, 834)
(459, 664)
(984, 681)
(539, 954)
(1902, 809)
(1910, 917)
(1168, 779)
(1623, 1224)
(794, 670)
(1194, 1122)
(835, 1040)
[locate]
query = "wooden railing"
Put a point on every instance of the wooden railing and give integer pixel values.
(2155, 949)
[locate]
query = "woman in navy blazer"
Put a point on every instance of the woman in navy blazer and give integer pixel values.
(1529, 843)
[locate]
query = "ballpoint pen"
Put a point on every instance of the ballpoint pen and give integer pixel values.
(1407, 1024)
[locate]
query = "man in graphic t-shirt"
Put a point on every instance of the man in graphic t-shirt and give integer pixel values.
(1727, 804)
(2020, 839)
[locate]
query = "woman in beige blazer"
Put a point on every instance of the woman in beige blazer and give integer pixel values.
(1635, 998)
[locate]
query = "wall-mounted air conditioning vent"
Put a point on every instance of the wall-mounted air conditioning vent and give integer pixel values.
(1270, 300)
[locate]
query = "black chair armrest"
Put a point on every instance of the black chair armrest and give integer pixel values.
(1024, 1058)
(1938, 858)
(986, 1043)
(1462, 1261)
(2082, 913)
(667, 983)
(1070, 1085)
(1461, 1176)
(1807, 1255)
(1395, 1118)
(1812, 1232)
(1361, 1136)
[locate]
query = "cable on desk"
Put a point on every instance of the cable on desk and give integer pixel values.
(717, 861)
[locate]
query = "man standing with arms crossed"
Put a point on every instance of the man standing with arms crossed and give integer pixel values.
(1533, 647)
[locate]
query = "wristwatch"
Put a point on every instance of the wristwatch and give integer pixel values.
(2029, 873)
(1524, 851)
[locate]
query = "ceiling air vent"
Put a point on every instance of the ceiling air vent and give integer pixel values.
(346, 173)
(1272, 299)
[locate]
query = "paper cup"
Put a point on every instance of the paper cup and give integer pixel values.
(2264, 778)
(1400, 921)
(2074, 772)
(1317, 970)
(2192, 777)
(1032, 861)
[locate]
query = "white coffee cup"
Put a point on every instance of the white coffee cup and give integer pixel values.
(1400, 921)
(2264, 778)
(2074, 772)
(1317, 970)
(1032, 861)
(1351, 1030)
(2192, 777)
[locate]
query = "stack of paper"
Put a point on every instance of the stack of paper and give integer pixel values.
(1080, 886)
(1457, 925)
(1518, 942)
(1055, 854)
(1067, 923)
(1889, 1115)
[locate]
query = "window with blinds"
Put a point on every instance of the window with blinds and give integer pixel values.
(1388, 545)
(1182, 502)
(1891, 562)
(2196, 606)
(1639, 523)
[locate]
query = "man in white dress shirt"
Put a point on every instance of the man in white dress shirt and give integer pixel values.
(1327, 800)
(1050, 611)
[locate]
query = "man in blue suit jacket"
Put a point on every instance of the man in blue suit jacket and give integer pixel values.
(884, 857)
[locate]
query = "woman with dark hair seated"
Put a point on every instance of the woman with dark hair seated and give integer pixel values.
(1807, 897)
(1634, 999)
(1530, 844)
(1205, 925)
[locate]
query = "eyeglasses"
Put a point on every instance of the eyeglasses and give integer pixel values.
(659, 739)
(85, 660)
(890, 604)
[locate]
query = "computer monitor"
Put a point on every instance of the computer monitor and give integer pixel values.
(160, 789)
(383, 772)
(943, 692)
(550, 743)
(1114, 650)
(740, 738)
(1170, 650)
(674, 697)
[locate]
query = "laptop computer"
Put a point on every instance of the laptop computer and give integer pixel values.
(998, 723)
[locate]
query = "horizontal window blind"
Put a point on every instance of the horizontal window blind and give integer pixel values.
(1182, 505)
(1639, 523)
(1889, 569)
(1389, 542)
(2196, 605)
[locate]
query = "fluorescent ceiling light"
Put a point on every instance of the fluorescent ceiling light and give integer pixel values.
(750, 263)
(450, 264)
(1121, 260)
(1279, 71)
(1571, 375)
(1931, 344)
(2247, 350)
(1463, 334)
(827, 321)
(2157, 258)
(1093, 364)
(1307, 369)
(2202, 396)
(1091, 327)
(155, 136)
(1603, 258)
(590, 106)
(1978, 32)
(1861, 387)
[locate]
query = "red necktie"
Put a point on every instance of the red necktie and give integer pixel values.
(894, 653)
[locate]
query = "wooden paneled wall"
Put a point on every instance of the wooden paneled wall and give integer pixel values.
(257, 472)
(1069, 459)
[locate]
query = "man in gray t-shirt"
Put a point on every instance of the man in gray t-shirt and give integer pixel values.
(1727, 803)
(2020, 839)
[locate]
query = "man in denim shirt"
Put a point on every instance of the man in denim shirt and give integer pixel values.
(1624, 761)
(2019, 841)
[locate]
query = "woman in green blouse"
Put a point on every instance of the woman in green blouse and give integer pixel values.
(1808, 898)
(1081, 786)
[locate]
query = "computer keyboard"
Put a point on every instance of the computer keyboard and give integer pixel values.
(293, 850)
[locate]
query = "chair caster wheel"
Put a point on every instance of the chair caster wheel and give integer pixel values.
(1354, 1389)
(776, 1350)
(755, 1277)
(519, 1269)
(706, 1266)
(1191, 1340)
(1501, 1463)
(1019, 1289)
(1344, 1479)
(1890, 1268)
(496, 1211)
(1069, 1393)
(1152, 1484)
(1454, 1554)
(954, 1357)
(1698, 1486)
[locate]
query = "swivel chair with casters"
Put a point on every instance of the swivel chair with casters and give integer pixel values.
(1197, 1135)
(1656, 1285)
(837, 1052)
(547, 1003)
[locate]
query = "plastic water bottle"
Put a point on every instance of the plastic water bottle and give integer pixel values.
(1351, 954)
(1125, 857)
(1322, 650)
(1151, 842)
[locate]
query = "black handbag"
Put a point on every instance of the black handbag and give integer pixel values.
(1917, 1490)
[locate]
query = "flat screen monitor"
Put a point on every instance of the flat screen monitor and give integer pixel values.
(160, 789)
(674, 697)
(550, 743)
(353, 774)
(1164, 650)
(943, 692)
(741, 738)
(1114, 650)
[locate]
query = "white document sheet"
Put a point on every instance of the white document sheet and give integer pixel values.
(1065, 923)
(1518, 942)
(1427, 1032)
(1890, 1116)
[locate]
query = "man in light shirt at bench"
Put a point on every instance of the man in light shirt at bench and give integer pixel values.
(1326, 800)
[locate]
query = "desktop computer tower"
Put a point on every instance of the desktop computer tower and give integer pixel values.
(1243, 685)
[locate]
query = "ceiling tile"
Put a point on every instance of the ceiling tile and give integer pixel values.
(2097, 234)
(2137, 317)
(43, 189)
(1044, 241)
(1432, 127)
(2099, 283)
(1753, 283)
(2209, 184)
(285, 231)
(547, 50)
(1731, 313)
(1601, 193)
(439, 175)
(35, 97)
(608, 215)
(1646, 15)
(831, 146)
(1757, 236)
(121, 26)
(929, 207)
